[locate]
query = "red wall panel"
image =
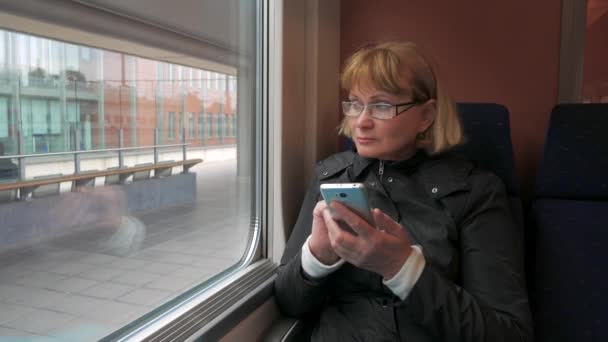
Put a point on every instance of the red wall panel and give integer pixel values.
(488, 51)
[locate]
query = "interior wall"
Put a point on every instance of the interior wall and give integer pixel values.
(80, 23)
(505, 52)
(219, 27)
(311, 41)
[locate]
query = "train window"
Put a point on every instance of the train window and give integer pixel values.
(595, 68)
(122, 204)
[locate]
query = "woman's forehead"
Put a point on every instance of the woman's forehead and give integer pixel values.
(369, 88)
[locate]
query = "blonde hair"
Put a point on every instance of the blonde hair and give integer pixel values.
(386, 66)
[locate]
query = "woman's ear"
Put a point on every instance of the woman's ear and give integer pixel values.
(429, 112)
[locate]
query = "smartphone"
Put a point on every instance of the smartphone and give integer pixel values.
(352, 195)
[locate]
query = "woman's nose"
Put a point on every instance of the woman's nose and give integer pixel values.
(364, 120)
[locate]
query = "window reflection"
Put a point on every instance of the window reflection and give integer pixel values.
(92, 254)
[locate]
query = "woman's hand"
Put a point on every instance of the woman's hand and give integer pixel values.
(382, 249)
(319, 243)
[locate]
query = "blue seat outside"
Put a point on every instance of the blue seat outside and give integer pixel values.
(142, 175)
(570, 213)
(112, 179)
(48, 189)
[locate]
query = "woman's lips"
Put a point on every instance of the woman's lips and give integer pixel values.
(365, 141)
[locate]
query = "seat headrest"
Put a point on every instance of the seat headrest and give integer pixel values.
(575, 159)
(488, 140)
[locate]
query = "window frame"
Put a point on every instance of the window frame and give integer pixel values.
(53, 19)
(572, 49)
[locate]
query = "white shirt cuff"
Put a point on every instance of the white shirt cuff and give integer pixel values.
(402, 283)
(313, 267)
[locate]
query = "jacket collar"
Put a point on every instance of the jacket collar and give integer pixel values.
(442, 174)
(408, 166)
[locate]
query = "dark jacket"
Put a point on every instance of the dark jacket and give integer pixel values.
(473, 286)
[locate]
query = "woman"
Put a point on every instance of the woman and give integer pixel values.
(444, 261)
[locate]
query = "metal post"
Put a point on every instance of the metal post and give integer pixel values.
(20, 151)
(156, 143)
(18, 123)
(219, 118)
(76, 131)
(184, 147)
(121, 153)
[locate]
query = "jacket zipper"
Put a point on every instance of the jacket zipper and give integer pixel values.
(381, 170)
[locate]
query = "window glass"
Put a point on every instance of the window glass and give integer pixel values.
(170, 72)
(171, 125)
(3, 117)
(72, 59)
(206, 82)
(209, 126)
(56, 57)
(3, 48)
(201, 126)
(33, 51)
(182, 120)
(55, 117)
(26, 117)
(73, 110)
(85, 53)
(82, 256)
(219, 119)
(199, 78)
(226, 125)
(39, 116)
(191, 126)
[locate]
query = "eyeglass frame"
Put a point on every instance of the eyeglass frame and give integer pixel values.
(411, 105)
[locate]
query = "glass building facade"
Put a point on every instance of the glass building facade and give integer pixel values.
(57, 97)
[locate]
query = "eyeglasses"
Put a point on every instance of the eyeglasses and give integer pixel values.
(382, 111)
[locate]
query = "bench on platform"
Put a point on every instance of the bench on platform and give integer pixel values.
(25, 188)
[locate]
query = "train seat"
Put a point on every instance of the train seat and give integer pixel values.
(488, 144)
(570, 216)
(486, 126)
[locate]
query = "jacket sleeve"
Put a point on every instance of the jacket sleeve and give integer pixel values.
(490, 303)
(297, 295)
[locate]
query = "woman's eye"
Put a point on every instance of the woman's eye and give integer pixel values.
(384, 106)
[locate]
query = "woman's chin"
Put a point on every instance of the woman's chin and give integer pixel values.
(367, 152)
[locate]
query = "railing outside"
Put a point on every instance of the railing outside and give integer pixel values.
(21, 158)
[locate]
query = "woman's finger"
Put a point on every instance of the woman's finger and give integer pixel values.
(354, 221)
(337, 235)
(386, 223)
(319, 207)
